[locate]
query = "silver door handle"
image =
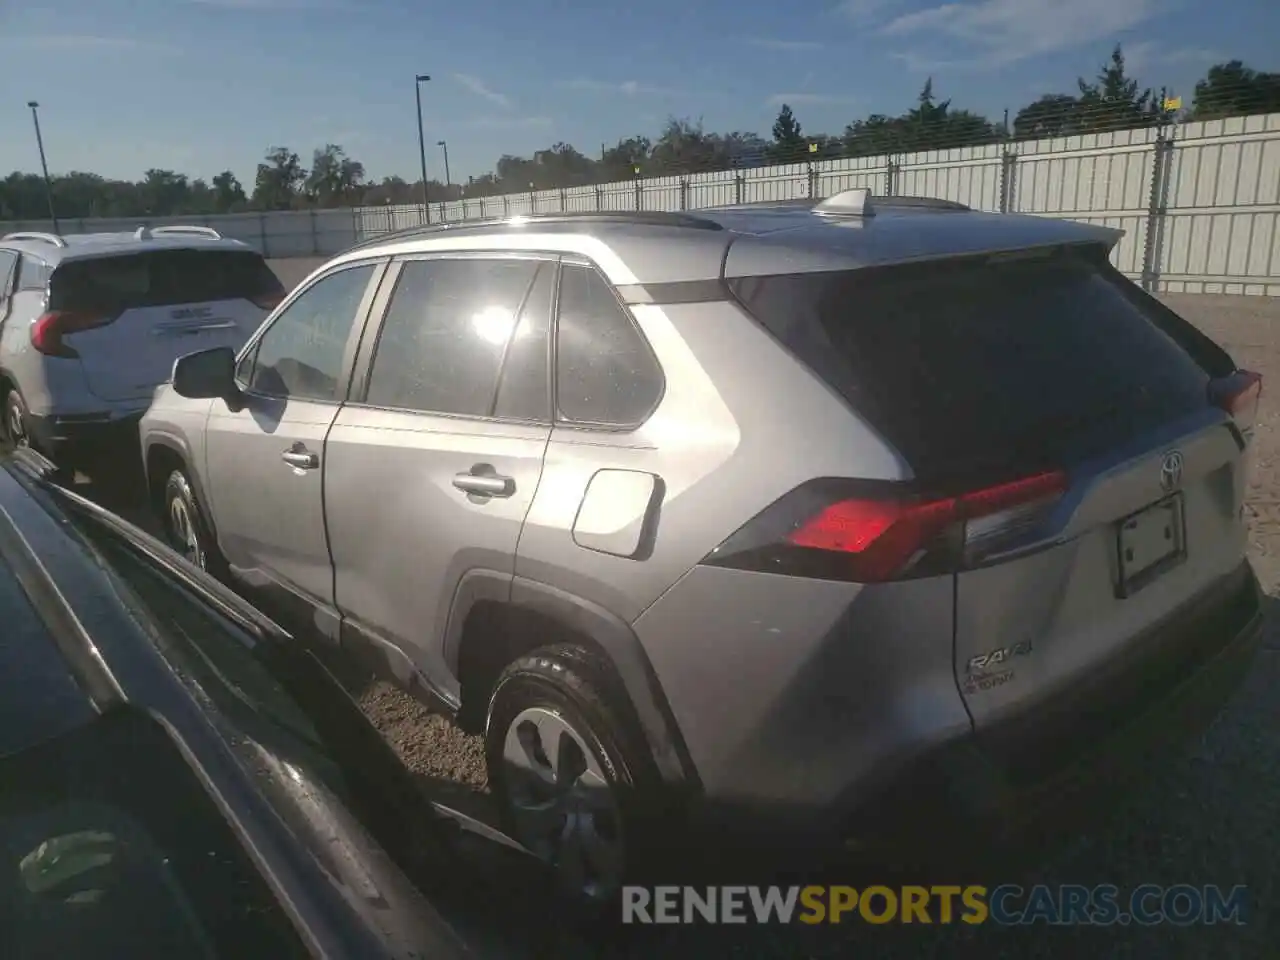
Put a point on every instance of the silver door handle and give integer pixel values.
(301, 459)
(486, 485)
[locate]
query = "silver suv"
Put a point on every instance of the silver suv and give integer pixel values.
(799, 519)
(91, 323)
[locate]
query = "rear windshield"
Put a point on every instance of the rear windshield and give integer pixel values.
(991, 364)
(161, 278)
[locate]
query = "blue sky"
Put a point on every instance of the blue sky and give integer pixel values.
(203, 85)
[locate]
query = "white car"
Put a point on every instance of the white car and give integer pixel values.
(90, 324)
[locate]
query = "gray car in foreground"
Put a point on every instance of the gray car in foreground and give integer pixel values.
(857, 521)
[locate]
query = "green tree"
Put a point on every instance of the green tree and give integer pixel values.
(788, 139)
(228, 194)
(1113, 101)
(1053, 115)
(279, 180)
(1231, 89)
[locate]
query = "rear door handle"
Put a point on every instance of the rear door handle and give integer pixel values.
(301, 459)
(485, 484)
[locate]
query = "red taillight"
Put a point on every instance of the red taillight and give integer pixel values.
(267, 301)
(1239, 395)
(820, 531)
(49, 329)
(885, 535)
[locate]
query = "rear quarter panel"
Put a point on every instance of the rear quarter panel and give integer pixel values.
(740, 424)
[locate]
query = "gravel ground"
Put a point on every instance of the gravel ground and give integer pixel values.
(1213, 817)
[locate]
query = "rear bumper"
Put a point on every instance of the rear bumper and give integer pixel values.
(80, 438)
(1048, 769)
(1036, 775)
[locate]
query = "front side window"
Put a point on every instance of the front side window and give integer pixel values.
(300, 355)
(446, 334)
(605, 372)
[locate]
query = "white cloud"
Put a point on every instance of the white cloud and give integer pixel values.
(509, 123)
(1149, 54)
(861, 9)
(1005, 31)
(812, 99)
(271, 5)
(785, 46)
(82, 42)
(477, 86)
(627, 88)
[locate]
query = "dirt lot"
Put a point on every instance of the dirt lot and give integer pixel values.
(1212, 818)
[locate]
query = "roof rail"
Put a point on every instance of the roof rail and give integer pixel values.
(652, 218)
(934, 203)
(857, 203)
(146, 233)
(52, 238)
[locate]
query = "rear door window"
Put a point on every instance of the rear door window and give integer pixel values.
(985, 363)
(446, 333)
(162, 278)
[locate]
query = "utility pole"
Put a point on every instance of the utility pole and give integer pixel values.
(418, 81)
(44, 166)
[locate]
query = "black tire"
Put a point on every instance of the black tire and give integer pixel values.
(567, 681)
(199, 546)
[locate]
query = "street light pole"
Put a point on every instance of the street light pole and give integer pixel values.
(448, 180)
(418, 81)
(44, 166)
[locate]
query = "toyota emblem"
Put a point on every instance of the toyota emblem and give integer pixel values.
(1171, 471)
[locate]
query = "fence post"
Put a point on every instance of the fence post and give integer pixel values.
(684, 193)
(813, 181)
(1008, 175)
(1157, 208)
(739, 187)
(891, 178)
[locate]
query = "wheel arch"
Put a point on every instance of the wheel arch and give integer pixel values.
(494, 619)
(163, 452)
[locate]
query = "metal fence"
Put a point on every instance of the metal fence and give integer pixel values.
(1199, 202)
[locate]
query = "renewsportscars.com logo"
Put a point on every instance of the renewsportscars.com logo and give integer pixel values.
(1006, 905)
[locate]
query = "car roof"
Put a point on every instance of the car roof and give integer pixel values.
(848, 231)
(54, 248)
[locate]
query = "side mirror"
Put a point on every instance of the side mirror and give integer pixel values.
(207, 375)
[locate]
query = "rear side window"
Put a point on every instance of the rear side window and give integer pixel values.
(985, 364)
(8, 261)
(605, 371)
(33, 274)
(162, 278)
(446, 332)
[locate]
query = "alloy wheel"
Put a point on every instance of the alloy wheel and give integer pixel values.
(562, 807)
(182, 532)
